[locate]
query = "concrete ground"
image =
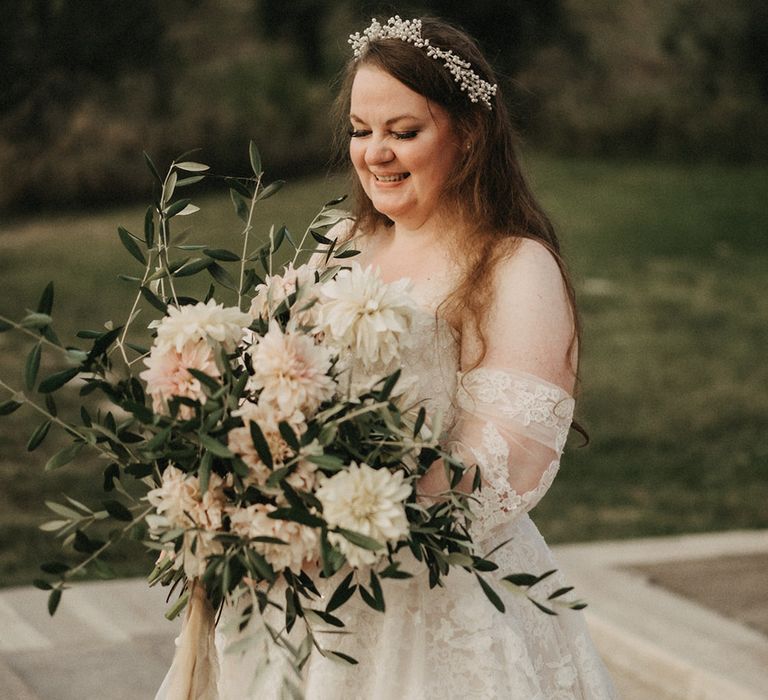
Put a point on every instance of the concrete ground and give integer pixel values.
(679, 618)
(697, 636)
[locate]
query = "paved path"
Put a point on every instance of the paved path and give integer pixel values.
(678, 647)
(110, 640)
(107, 640)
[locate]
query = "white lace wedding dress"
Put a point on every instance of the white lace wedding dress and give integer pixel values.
(451, 642)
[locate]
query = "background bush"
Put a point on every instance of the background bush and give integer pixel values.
(87, 85)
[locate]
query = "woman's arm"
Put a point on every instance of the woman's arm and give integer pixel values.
(514, 408)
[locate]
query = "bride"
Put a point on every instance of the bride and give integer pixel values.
(441, 200)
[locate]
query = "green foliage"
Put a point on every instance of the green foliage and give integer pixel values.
(669, 264)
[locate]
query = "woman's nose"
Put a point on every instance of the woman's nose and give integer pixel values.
(378, 152)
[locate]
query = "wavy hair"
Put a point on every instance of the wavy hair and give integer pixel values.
(488, 191)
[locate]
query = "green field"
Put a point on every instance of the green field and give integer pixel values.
(669, 263)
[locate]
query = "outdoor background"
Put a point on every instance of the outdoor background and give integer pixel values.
(644, 126)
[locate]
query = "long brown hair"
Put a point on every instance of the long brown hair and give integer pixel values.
(489, 188)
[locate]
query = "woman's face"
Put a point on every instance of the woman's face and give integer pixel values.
(403, 147)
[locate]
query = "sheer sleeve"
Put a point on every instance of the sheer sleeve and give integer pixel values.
(513, 425)
(512, 412)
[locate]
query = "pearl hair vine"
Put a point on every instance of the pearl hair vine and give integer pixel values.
(409, 30)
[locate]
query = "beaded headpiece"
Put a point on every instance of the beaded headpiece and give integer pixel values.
(409, 30)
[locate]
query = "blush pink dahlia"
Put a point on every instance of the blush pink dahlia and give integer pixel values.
(291, 372)
(167, 374)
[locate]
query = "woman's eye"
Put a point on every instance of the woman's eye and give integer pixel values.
(402, 135)
(357, 133)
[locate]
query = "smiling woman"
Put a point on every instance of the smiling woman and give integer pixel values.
(443, 207)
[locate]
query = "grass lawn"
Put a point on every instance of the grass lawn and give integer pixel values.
(669, 263)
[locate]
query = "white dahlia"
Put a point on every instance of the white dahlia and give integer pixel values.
(367, 501)
(202, 322)
(291, 372)
(301, 542)
(167, 374)
(359, 312)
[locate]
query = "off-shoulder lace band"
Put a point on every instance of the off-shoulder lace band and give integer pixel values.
(543, 409)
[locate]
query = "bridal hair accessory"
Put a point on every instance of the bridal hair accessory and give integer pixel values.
(409, 30)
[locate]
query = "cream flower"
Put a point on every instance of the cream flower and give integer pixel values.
(166, 375)
(359, 312)
(176, 498)
(179, 502)
(291, 372)
(277, 288)
(210, 509)
(239, 441)
(301, 542)
(367, 501)
(202, 322)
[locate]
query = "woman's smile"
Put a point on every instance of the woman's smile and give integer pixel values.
(390, 179)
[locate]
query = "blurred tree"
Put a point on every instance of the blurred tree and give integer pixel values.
(756, 45)
(301, 23)
(51, 45)
(86, 85)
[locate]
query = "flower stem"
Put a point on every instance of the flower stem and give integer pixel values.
(109, 543)
(131, 315)
(246, 232)
(300, 247)
(39, 338)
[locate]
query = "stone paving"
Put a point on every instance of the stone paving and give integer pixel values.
(678, 639)
(110, 640)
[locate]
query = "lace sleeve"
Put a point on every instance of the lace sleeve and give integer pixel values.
(512, 410)
(513, 425)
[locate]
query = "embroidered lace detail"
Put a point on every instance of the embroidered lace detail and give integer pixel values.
(514, 427)
(498, 501)
(521, 397)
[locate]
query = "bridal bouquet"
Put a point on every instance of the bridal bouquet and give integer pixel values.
(270, 443)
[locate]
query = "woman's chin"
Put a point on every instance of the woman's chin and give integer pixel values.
(391, 209)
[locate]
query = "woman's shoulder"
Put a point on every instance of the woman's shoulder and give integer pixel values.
(528, 269)
(531, 323)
